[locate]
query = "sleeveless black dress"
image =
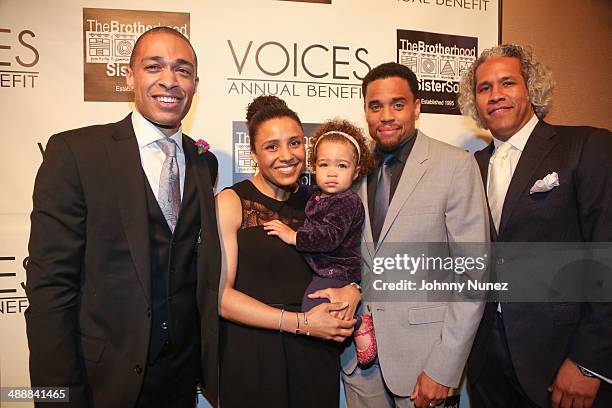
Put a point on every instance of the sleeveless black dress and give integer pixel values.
(266, 368)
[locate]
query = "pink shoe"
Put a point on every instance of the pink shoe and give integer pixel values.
(368, 355)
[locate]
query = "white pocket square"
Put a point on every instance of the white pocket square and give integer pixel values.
(546, 184)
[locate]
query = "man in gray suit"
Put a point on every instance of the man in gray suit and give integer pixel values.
(424, 191)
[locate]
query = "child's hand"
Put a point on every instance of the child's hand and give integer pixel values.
(283, 231)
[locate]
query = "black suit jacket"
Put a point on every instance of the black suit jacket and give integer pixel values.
(89, 266)
(540, 336)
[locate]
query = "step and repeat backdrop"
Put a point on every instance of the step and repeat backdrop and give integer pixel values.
(63, 63)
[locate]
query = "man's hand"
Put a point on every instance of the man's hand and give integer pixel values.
(427, 392)
(572, 389)
(348, 293)
(322, 324)
(281, 230)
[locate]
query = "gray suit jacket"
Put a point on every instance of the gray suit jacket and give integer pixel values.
(440, 198)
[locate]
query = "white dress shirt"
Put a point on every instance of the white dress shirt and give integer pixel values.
(518, 142)
(151, 155)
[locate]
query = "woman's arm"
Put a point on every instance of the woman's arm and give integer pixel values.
(241, 308)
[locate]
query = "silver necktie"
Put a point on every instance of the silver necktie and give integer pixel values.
(169, 195)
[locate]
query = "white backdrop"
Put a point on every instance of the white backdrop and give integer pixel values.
(43, 49)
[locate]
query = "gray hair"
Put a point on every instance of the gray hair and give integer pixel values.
(537, 76)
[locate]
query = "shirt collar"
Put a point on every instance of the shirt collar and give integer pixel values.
(519, 139)
(147, 133)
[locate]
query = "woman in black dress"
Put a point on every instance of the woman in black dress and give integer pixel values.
(272, 355)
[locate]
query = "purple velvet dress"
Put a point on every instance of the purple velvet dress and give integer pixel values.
(330, 241)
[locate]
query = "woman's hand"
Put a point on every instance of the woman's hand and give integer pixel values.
(281, 230)
(348, 294)
(322, 324)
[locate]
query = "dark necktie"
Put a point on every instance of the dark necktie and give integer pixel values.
(169, 194)
(381, 200)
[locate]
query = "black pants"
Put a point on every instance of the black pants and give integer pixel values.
(498, 385)
(166, 387)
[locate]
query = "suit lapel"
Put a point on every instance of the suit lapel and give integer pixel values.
(540, 143)
(208, 227)
(129, 181)
(198, 166)
(189, 188)
(482, 158)
(413, 172)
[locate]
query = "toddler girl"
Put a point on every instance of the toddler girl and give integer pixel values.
(330, 239)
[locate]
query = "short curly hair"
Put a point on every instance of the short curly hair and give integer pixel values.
(366, 158)
(538, 79)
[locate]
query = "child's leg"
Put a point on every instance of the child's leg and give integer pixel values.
(319, 283)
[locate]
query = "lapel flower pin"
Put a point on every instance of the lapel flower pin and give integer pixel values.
(202, 146)
(546, 184)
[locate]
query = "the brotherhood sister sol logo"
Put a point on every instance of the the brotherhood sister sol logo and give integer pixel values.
(108, 38)
(438, 60)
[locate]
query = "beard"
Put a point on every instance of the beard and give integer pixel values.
(388, 147)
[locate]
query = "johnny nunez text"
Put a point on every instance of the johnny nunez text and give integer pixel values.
(425, 285)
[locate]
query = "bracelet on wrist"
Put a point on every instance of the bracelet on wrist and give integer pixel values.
(585, 372)
(306, 324)
(356, 286)
(297, 319)
(280, 321)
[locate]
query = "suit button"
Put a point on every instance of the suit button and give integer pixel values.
(138, 369)
(173, 243)
(148, 312)
(164, 326)
(172, 270)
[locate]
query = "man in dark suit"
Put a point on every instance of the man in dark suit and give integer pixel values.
(538, 354)
(123, 272)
